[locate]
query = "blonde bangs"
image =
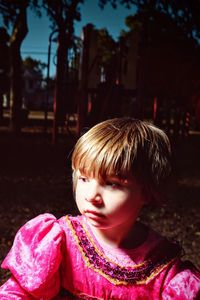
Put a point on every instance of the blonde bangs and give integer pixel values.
(101, 153)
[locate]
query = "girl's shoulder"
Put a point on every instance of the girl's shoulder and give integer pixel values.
(45, 224)
(36, 254)
(180, 276)
(34, 238)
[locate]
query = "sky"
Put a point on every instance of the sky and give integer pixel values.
(36, 42)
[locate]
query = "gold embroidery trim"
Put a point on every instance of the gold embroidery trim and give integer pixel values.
(103, 255)
(109, 278)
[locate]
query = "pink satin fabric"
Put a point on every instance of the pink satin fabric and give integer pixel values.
(46, 257)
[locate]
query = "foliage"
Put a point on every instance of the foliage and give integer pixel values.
(33, 64)
(114, 3)
(184, 13)
(159, 27)
(62, 13)
(106, 46)
(10, 9)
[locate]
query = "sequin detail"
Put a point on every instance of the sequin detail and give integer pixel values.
(116, 274)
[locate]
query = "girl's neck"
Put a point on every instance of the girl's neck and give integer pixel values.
(132, 238)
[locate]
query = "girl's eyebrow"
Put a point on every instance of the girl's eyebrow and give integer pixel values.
(118, 178)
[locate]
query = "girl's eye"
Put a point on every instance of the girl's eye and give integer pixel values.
(83, 179)
(113, 184)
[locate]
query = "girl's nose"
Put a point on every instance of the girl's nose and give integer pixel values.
(93, 194)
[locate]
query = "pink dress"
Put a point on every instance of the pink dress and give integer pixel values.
(61, 259)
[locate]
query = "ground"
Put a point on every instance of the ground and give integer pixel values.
(35, 177)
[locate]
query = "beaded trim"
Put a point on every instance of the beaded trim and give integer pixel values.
(116, 274)
(102, 254)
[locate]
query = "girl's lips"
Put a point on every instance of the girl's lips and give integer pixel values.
(94, 214)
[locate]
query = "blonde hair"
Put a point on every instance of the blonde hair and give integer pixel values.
(122, 147)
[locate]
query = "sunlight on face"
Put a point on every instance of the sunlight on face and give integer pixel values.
(111, 203)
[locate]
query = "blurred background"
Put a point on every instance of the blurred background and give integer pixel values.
(67, 65)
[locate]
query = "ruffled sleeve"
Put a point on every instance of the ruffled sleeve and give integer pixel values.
(185, 285)
(34, 260)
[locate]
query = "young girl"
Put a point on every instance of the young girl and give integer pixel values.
(118, 166)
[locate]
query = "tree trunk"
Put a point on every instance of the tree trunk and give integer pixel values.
(61, 83)
(20, 30)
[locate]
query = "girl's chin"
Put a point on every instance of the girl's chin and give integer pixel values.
(95, 223)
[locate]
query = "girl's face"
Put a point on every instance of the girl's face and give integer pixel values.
(113, 203)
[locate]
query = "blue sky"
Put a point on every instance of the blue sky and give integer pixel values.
(36, 42)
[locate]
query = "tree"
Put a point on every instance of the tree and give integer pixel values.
(62, 13)
(14, 14)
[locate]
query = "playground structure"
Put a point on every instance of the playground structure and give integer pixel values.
(120, 90)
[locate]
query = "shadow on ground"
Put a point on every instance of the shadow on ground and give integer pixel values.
(35, 177)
